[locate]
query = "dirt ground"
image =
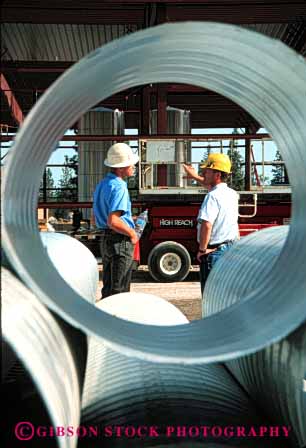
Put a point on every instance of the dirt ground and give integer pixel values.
(186, 295)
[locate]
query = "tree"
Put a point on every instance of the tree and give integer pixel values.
(237, 178)
(204, 158)
(278, 170)
(49, 183)
(68, 183)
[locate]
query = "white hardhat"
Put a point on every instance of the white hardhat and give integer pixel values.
(120, 155)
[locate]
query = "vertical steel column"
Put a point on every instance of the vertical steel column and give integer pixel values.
(45, 198)
(162, 129)
(247, 175)
(145, 111)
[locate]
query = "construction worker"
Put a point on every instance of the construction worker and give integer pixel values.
(217, 227)
(112, 211)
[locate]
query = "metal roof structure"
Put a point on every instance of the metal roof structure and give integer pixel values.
(40, 40)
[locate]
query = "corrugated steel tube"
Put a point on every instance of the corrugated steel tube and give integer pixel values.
(40, 344)
(74, 263)
(78, 267)
(37, 331)
(274, 376)
(271, 88)
(123, 391)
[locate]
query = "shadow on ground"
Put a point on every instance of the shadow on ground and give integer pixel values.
(143, 276)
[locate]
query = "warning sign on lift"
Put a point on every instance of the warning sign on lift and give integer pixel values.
(176, 222)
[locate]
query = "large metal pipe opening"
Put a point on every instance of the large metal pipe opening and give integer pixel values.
(264, 77)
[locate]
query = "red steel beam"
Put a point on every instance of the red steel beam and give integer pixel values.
(73, 13)
(237, 12)
(64, 205)
(145, 110)
(124, 138)
(129, 12)
(15, 109)
(72, 204)
(162, 110)
(207, 2)
(35, 66)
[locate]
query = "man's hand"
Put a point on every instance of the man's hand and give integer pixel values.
(190, 170)
(115, 223)
(200, 254)
(134, 238)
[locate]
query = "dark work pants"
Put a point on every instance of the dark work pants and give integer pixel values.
(208, 261)
(117, 259)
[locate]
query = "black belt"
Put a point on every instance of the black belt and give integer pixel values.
(214, 246)
(106, 231)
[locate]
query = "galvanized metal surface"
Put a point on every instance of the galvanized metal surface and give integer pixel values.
(243, 269)
(274, 376)
(91, 168)
(269, 87)
(40, 344)
(74, 263)
(119, 390)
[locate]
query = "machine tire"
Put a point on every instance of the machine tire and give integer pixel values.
(169, 262)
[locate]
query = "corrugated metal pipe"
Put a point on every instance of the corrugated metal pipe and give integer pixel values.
(270, 88)
(177, 400)
(42, 352)
(274, 376)
(41, 346)
(74, 263)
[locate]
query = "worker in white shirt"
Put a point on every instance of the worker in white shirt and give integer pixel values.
(217, 227)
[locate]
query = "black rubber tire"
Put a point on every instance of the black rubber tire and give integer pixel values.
(161, 257)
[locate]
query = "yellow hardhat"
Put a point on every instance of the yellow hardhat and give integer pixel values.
(219, 162)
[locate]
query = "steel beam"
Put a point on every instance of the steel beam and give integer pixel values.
(15, 109)
(123, 138)
(145, 110)
(120, 12)
(238, 12)
(248, 174)
(78, 13)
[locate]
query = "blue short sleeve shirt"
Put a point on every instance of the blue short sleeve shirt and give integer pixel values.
(111, 195)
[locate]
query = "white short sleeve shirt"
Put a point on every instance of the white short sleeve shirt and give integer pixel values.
(220, 208)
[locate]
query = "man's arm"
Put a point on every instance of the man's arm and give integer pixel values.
(115, 223)
(205, 233)
(191, 172)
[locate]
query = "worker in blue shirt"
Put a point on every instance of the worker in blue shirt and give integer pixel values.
(113, 216)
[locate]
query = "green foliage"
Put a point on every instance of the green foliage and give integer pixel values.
(69, 180)
(49, 184)
(204, 158)
(237, 178)
(278, 171)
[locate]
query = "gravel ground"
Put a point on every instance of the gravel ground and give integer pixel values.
(185, 295)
